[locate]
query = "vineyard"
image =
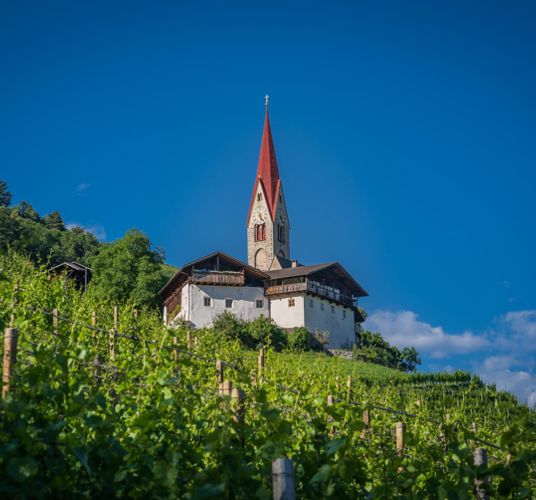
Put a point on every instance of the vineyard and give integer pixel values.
(105, 402)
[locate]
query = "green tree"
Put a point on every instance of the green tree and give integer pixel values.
(9, 229)
(54, 221)
(5, 195)
(25, 211)
(129, 269)
(410, 359)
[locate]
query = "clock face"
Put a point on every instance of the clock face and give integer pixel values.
(259, 215)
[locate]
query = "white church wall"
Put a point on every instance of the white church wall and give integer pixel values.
(285, 316)
(339, 321)
(244, 303)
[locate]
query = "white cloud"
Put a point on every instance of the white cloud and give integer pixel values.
(95, 229)
(82, 187)
(497, 370)
(507, 349)
(523, 326)
(403, 328)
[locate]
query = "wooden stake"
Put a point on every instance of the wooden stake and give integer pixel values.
(283, 483)
(481, 460)
(189, 340)
(175, 352)
(94, 323)
(219, 371)
(330, 401)
(55, 320)
(111, 344)
(366, 420)
(238, 397)
(349, 388)
(400, 430)
(11, 336)
(116, 316)
(260, 362)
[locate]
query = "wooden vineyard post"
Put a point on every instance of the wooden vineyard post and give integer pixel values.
(400, 430)
(116, 316)
(219, 371)
(175, 352)
(189, 340)
(481, 460)
(94, 322)
(111, 344)
(330, 400)
(283, 482)
(348, 388)
(55, 320)
(260, 362)
(366, 421)
(11, 336)
(225, 388)
(238, 397)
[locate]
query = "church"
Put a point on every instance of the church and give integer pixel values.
(321, 297)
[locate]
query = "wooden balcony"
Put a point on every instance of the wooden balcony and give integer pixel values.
(225, 278)
(282, 289)
(314, 288)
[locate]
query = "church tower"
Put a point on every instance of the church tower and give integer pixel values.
(268, 225)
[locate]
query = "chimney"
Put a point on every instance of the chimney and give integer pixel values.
(294, 263)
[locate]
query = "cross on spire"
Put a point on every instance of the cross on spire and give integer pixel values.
(266, 97)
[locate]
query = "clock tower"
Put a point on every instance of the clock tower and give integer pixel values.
(268, 228)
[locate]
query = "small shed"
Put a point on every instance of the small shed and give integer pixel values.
(73, 270)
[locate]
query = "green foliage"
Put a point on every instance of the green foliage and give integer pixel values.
(298, 339)
(128, 269)
(5, 195)
(54, 221)
(151, 422)
(373, 348)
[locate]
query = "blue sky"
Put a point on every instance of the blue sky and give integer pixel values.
(404, 134)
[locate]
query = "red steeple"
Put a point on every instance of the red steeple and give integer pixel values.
(267, 171)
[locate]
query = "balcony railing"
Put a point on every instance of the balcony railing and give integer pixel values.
(312, 287)
(218, 278)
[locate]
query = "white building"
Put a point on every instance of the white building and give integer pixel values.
(321, 298)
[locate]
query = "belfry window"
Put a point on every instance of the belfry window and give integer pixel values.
(259, 196)
(281, 233)
(260, 232)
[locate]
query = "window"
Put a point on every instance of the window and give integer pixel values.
(259, 196)
(281, 233)
(207, 301)
(228, 303)
(344, 314)
(260, 232)
(260, 303)
(332, 309)
(321, 306)
(311, 303)
(291, 302)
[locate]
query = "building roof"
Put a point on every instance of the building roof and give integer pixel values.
(267, 171)
(73, 265)
(294, 272)
(223, 257)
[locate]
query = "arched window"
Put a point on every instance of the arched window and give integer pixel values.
(259, 196)
(260, 232)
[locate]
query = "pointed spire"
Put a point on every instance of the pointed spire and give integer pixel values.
(267, 171)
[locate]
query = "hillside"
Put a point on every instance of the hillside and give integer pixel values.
(98, 407)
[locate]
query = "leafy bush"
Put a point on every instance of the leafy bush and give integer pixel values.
(298, 339)
(373, 348)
